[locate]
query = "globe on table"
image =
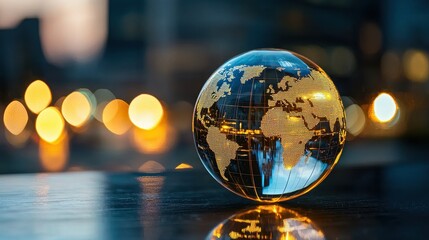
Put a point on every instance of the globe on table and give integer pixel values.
(269, 125)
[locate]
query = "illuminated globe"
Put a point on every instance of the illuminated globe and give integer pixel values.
(269, 125)
(267, 222)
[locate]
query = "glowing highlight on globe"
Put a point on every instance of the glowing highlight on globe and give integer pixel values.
(269, 125)
(384, 108)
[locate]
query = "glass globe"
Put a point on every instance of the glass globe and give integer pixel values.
(269, 125)
(267, 222)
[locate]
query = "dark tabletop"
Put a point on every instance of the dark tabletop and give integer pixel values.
(353, 203)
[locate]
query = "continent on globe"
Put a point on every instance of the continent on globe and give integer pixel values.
(269, 125)
(224, 148)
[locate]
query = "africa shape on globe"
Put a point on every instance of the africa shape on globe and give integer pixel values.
(269, 125)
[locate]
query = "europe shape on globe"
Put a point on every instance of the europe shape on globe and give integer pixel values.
(269, 125)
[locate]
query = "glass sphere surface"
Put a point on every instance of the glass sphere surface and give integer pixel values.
(267, 222)
(269, 125)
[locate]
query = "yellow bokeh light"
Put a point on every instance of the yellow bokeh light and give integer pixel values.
(76, 109)
(54, 156)
(37, 96)
(115, 117)
(50, 124)
(145, 111)
(384, 108)
(355, 118)
(155, 141)
(183, 166)
(416, 65)
(15, 117)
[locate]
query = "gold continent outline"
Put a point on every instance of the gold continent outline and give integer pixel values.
(294, 128)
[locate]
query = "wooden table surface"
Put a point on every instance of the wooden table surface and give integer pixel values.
(364, 203)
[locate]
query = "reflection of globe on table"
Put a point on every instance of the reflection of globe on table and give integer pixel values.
(267, 222)
(269, 125)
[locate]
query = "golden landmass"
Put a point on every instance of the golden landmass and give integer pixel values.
(267, 222)
(315, 94)
(251, 72)
(212, 94)
(291, 130)
(223, 148)
(313, 97)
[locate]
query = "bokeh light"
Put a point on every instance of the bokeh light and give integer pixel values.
(384, 108)
(54, 155)
(37, 96)
(343, 61)
(355, 118)
(103, 97)
(155, 141)
(151, 167)
(15, 117)
(13, 12)
(76, 109)
(50, 124)
(91, 99)
(72, 30)
(416, 65)
(315, 53)
(145, 111)
(19, 140)
(183, 166)
(115, 117)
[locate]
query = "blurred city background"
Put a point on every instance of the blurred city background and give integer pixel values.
(76, 76)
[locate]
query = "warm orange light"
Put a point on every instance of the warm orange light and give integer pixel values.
(416, 65)
(145, 111)
(50, 124)
(76, 109)
(384, 108)
(157, 140)
(115, 117)
(183, 166)
(151, 167)
(37, 96)
(54, 156)
(17, 140)
(15, 117)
